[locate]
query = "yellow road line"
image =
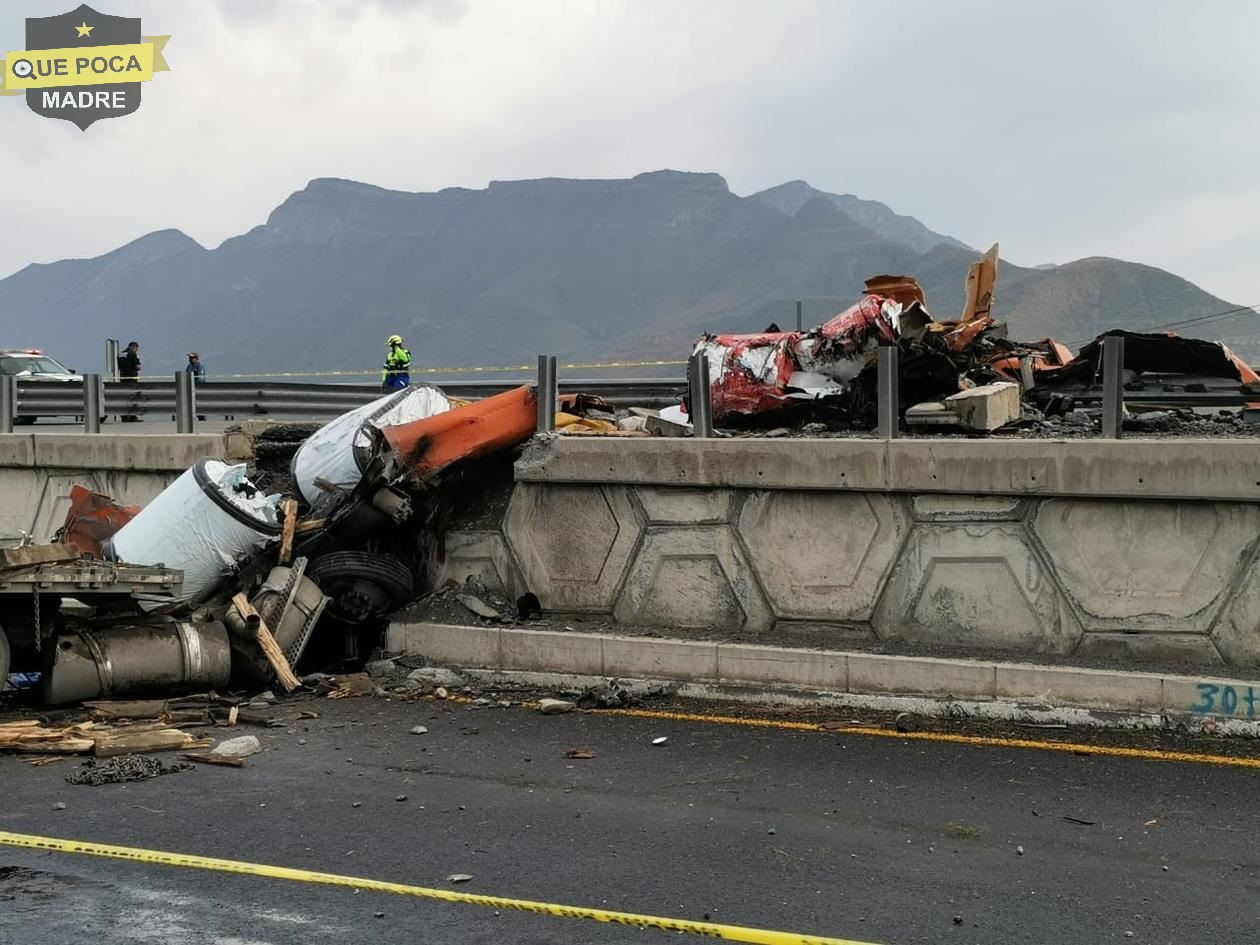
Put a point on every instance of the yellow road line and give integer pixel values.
(730, 933)
(1150, 754)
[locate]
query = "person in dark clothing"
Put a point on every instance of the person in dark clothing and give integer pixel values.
(129, 372)
(197, 370)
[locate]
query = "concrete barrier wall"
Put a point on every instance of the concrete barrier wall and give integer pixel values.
(1133, 550)
(37, 471)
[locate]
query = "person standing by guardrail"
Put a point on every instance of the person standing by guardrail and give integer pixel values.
(197, 370)
(129, 372)
(396, 374)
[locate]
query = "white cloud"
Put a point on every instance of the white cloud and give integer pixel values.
(1063, 128)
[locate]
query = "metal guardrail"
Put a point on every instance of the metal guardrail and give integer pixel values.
(178, 398)
(232, 400)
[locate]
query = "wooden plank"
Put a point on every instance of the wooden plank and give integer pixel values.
(210, 758)
(271, 649)
(310, 525)
(143, 742)
(289, 508)
(137, 709)
(62, 746)
(28, 556)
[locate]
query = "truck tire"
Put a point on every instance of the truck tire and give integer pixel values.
(362, 585)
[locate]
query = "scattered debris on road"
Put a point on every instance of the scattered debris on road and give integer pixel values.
(100, 739)
(555, 706)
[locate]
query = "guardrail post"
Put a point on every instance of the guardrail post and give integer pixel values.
(548, 398)
(700, 395)
(887, 390)
(111, 358)
(93, 399)
(1113, 386)
(8, 402)
(800, 312)
(185, 402)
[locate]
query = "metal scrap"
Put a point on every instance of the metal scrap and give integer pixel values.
(123, 769)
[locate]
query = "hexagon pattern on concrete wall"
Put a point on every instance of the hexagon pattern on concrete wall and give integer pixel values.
(978, 584)
(967, 508)
(483, 555)
(1237, 632)
(693, 577)
(822, 555)
(572, 542)
(669, 505)
(1179, 559)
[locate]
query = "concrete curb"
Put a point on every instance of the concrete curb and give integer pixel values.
(907, 683)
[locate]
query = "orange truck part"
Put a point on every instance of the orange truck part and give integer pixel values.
(426, 447)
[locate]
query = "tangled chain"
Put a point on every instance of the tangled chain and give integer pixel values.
(123, 768)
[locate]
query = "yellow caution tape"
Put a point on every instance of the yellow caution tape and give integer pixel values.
(954, 738)
(731, 933)
(464, 369)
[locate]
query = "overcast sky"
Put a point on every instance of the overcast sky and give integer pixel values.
(1062, 129)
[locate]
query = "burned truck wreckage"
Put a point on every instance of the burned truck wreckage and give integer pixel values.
(825, 378)
(242, 579)
(237, 586)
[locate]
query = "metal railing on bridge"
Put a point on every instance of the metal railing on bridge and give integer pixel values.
(95, 398)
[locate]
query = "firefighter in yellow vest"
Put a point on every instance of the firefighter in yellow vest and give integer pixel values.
(396, 374)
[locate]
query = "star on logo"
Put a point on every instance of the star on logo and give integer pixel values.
(84, 29)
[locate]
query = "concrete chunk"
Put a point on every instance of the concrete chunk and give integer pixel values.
(241, 747)
(930, 414)
(987, 407)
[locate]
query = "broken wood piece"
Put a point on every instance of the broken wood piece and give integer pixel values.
(288, 508)
(60, 746)
(351, 684)
(137, 709)
(210, 758)
(310, 525)
(29, 735)
(30, 556)
(170, 739)
(188, 718)
(235, 715)
(271, 649)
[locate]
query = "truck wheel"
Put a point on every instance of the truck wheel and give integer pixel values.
(362, 585)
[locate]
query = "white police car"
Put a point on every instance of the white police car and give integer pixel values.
(31, 364)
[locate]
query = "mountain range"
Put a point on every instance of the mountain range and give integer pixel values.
(584, 269)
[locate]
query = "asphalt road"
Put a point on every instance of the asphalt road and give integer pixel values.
(876, 839)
